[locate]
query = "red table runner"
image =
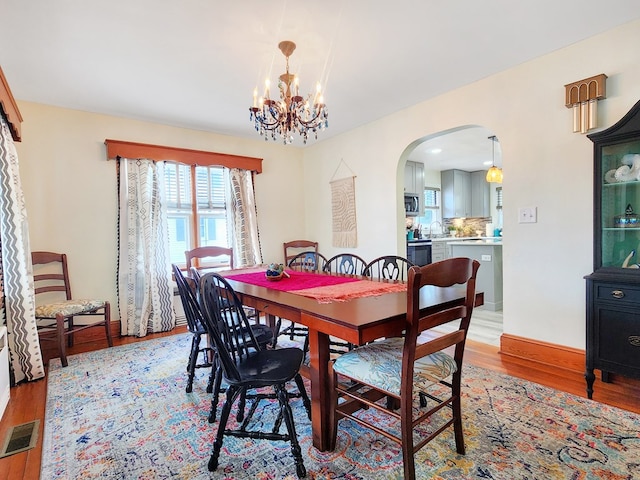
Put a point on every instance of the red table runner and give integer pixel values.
(324, 288)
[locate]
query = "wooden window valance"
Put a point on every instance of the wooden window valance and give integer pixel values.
(118, 148)
(9, 109)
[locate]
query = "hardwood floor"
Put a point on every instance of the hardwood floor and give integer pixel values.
(28, 400)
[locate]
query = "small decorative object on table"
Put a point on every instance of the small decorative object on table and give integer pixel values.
(275, 272)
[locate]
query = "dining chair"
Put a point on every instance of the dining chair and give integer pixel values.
(195, 325)
(294, 247)
(247, 366)
(208, 257)
(302, 262)
(400, 368)
(388, 267)
(56, 309)
(345, 264)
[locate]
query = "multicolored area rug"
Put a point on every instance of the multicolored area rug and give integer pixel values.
(122, 413)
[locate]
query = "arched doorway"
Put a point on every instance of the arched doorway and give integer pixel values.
(466, 151)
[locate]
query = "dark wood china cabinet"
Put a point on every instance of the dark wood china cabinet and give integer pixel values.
(613, 289)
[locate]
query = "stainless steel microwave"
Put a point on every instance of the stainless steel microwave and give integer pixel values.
(411, 204)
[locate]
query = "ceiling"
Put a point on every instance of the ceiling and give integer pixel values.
(195, 63)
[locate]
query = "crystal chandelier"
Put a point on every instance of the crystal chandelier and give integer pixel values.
(292, 113)
(494, 174)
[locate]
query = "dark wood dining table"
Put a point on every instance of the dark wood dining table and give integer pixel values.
(358, 321)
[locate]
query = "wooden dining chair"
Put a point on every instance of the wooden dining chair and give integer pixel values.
(208, 257)
(248, 367)
(294, 247)
(345, 264)
(388, 267)
(57, 310)
(403, 368)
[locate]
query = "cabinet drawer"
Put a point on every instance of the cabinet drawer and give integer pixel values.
(618, 336)
(617, 293)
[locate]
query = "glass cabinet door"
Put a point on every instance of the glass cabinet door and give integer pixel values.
(619, 208)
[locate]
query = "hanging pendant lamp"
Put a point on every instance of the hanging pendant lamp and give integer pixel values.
(494, 174)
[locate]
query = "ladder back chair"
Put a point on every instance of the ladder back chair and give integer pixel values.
(405, 369)
(294, 247)
(56, 309)
(247, 366)
(208, 257)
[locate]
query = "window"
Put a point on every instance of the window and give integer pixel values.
(200, 223)
(432, 212)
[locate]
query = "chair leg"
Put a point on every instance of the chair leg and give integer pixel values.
(70, 332)
(303, 393)
(283, 398)
(333, 402)
(406, 427)
(456, 406)
(212, 374)
(216, 394)
(232, 393)
(193, 359)
(60, 333)
(107, 323)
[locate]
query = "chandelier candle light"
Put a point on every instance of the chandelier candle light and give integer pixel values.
(292, 113)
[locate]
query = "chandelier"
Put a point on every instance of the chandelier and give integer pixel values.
(292, 113)
(494, 174)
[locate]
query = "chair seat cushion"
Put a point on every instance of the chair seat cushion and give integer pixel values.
(68, 307)
(379, 364)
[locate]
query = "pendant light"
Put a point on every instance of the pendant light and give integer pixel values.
(494, 174)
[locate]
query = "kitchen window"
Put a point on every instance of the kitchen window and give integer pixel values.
(432, 212)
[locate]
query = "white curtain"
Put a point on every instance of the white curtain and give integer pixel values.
(145, 293)
(243, 218)
(15, 269)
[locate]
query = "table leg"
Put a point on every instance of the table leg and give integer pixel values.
(319, 373)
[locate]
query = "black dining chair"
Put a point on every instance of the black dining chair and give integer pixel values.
(186, 290)
(388, 267)
(345, 264)
(247, 366)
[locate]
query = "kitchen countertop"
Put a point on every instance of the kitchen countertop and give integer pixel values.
(487, 241)
(459, 239)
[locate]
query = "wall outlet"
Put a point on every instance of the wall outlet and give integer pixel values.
(528, 215)
(486, 258)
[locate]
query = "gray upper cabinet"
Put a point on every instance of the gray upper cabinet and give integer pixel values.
(414, 180)
(480, 194)
(465, 194)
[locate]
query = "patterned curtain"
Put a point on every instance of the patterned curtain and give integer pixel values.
(16, 287)
(145, 294)
(243, 218)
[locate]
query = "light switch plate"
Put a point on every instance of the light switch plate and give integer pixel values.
(486, 258)
(528, 215)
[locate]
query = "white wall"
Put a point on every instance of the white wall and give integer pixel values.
(545, 165)
(70, 187)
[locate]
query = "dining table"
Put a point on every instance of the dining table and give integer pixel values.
(355, 309)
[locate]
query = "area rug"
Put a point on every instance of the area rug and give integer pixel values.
(122, 413)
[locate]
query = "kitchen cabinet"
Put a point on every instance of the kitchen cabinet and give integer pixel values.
(465, 194)
(489, 276)
(456, 198)
(414, 178)
(613, 289)
(480, 194)
(414, 181)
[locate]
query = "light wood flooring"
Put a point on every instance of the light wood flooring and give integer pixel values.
(28, 400)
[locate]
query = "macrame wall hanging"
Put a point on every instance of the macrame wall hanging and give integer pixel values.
(343, 209)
